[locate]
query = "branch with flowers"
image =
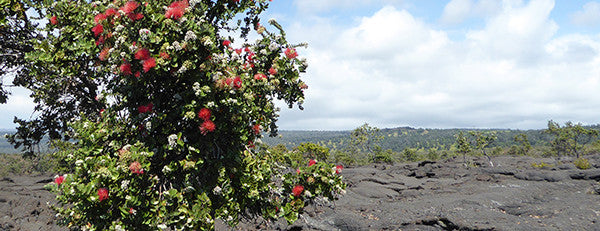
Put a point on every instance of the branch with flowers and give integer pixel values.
(174, 140)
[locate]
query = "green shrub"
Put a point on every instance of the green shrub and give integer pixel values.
(432, 154)
(410, 155)
(386, 156)
(541, 165)
(582, 163)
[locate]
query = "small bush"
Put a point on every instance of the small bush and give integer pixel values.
(541, 165)
(582, 163)
(410, 155)
(385, 157)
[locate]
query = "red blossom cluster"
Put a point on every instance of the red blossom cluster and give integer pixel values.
(59, 180)
(145, 108)
(148, 62)
(272, 71)
(204, 114)
(297, 190)
(136, 168)
(129, 9)
(311, 162)
(125, 68)
(290, 53)
(98, 29)
(260, 76)
(207, 125)
(338, 169)
(176, 9)
(53, 20)
(256, 129)
(102, 194)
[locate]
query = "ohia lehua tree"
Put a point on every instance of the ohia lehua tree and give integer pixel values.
(164, 103)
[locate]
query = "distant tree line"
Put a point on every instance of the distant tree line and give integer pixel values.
(367, 144)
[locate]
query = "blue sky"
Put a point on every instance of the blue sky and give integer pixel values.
(436, 64)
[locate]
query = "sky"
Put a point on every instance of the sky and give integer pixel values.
(435, 64)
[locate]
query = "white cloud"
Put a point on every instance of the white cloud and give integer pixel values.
(316, 6)
(392, 69)
(456, 11)
(588, 16)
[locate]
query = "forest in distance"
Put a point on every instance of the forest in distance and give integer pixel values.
(400, 138)
(367, 144)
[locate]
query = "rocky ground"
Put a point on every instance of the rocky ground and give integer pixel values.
(443, 195)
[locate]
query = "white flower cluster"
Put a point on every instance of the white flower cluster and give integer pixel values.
(273, 46)
(125, 184)
(217, 190)
(207, 41)
(190, 36)
(172, 139)
(176, 46)
(193, 3)
(144, 33)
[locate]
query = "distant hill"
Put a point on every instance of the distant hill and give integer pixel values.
(398, 139)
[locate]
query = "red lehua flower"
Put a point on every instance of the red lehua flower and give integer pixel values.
(137, 74)
(102, 194)
(226, 43)
(101, 112)
(135, 16)
(53, 20)
(126, 68)
(110, 12)
(131, 210)
(59, 180)
(204, 114)
(260, 76)
(311, 162)
(99, 17)
(338, 169)
(136, 168)
(291, 53)
(149, 64)
(164, 56)
(298, 171)
(238, 51)
(256, 129)
(98, 29)
(130, 7)
(209, 126)
(251, 144)
(272, 71)
(176, 9)
(247, 49)
(228, 81)
(142, 54)
(103, 54)
(145, 108)
(142, 109)
(298, 189)
(237, 82)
